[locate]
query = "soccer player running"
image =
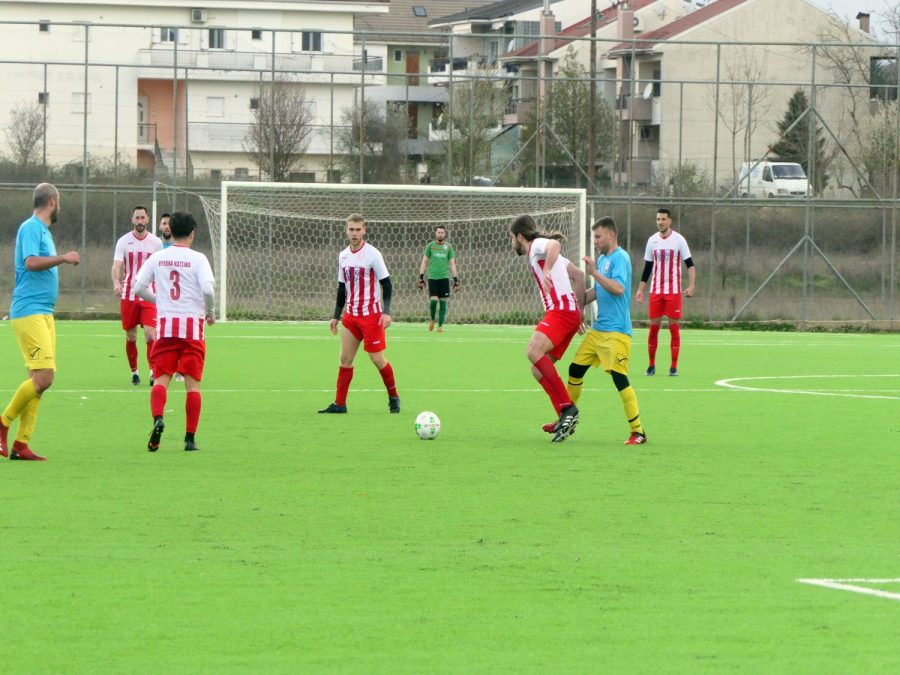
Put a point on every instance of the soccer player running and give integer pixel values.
(555, 276)
(666, 249)
(363, 306)
(440, 262)
(31, 313)
(608, 343)
(184, 298)
(132, 249)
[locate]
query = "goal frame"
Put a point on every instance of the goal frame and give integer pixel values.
(580, 193)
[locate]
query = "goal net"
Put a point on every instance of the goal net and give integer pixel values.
(275, 245)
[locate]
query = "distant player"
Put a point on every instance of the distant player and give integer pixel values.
(185, 298)
(440, 262)
(131, 251)
(665, 252)
(165, 232)
(555, 277)
(363, 307)
(608, 343)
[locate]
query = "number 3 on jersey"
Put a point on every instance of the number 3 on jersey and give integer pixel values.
(174, 277)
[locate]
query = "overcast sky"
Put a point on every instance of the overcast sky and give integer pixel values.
(849, 9)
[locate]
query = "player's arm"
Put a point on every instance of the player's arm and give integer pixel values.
(339, 303)
(692, 273)
(117, 276)
(576, 277)
(454, 273)
(387, 290)
(648, 269)
(610, 285)
(208, 288)
(40, 263)
(552, 252)
(422, 268)
(142, 284)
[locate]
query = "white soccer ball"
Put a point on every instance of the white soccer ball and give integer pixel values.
(428, 426)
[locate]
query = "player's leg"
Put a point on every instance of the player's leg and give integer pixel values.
(148, 323)
(130, 318)
(653, 342)
(432, 309)
(165, 361)
(673, 310)
(443, 288)
(620, 349)
(544, 370)
(375, 343)
(351, 339)
(190, 365)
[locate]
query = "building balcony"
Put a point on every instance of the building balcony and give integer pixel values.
(232, 137)
(518, 110)
(637, 171)
(634, 108)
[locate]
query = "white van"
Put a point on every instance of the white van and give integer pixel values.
(772, 179)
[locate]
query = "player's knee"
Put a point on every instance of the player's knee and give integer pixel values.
(577, 370)
(620, 380)
(42, 380)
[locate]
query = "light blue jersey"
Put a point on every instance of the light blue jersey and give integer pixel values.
(34, 292)
(167, 244)
(614, 311)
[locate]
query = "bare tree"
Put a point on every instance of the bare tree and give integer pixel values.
(25, 131)
(382, 151)
(281, 128)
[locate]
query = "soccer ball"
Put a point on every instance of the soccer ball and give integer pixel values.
(428, 426)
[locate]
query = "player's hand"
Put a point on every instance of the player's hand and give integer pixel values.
(117, 288)
(456, 287)
(332, 326)
(689, 292)
(386, 320)
(72, 257)
(639, 297)
(546, 281)
(591, 265)
(210, 318)
(583, 327)
(420, 284)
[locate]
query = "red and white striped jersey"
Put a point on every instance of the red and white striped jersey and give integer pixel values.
(133, 252)
(666, 254)
(561, 296)
(360, 271)
(180, 275)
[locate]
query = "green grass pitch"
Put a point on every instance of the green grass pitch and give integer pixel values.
(297, 542)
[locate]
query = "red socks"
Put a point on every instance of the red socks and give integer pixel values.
(552, 383)
(192, 411)
(675, 329)
(157, 400)
(653, 342)
(387, 376)
(131, 353)
(343, 385)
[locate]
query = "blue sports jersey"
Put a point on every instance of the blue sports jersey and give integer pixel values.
(167, 244)
(614, 311)
(34, 292)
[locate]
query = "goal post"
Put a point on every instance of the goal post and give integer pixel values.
(275, 245)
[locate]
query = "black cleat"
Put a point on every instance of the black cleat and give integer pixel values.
(135, 379)
(334, 408)
(673, 372)
(394, 404)
(567, 421)
(651, 371)
(190, 446)
(158, 427)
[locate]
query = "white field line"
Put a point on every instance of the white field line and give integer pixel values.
(730, 383)
(850, 585)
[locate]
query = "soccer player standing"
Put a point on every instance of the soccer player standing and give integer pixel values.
(608, 343)
(132, 250)
(165, 231)
(440, 262)
(554, 275)
(363, 306)
(31, 313)
(666, 249)
(184, 298)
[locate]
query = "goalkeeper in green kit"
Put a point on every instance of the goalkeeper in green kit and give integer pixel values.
(440, 263)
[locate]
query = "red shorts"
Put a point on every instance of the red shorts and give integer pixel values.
(560, 326)
(368, 330)
(665, 304)
(137, 312)
(177, 355)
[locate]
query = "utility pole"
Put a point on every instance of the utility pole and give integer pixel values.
(592, 108)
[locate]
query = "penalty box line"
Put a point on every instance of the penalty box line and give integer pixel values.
(851, 586)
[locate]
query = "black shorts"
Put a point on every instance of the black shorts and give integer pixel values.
(439, 288)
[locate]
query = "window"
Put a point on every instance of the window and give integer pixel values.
(398, 55)
(215, 106)
(44, 26)
(78, 103)
(419, 10)
(657, 84)
(168, 35)
(254, 104)
(215, 174)
(43, 97)
(312, 41)
(302, 176)
(241, 172)
(256, 34)
(334, 175)
(216, 38)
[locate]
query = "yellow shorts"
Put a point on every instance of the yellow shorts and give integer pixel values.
(36, 335)
(610, 350)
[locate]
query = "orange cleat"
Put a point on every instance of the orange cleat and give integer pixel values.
(21, 451)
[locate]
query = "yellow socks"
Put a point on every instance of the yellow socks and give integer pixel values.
(28, 420)
(632, 414)
(24, 395)
(573, 386)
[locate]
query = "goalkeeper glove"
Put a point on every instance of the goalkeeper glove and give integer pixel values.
(455, 283)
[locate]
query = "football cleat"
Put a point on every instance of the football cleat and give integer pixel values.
(334, 408)
(636, 438)
(394, 404)
(651, 371)
(673, 372)
(440, 329)
(430, 326)
(158, 427)
(567, 421)
(190, 446)
(23, 452)
(550, 427)
(4, 440)
(135, 379)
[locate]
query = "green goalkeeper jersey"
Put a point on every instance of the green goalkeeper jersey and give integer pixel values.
(439, 257)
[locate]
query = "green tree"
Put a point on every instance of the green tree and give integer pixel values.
(793, 145)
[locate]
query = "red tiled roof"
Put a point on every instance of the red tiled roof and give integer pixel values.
(679, 26)
(576, 30)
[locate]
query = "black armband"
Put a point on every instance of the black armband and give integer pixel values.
(648, 267)
(339, 302)
(387, 290)
(689, 262)
(455, 281)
